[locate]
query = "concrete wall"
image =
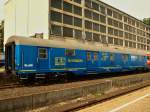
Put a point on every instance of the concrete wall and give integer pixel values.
(23, 17)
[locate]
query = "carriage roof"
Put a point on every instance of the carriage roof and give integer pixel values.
(72, 44)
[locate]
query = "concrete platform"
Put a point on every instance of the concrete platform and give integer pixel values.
(137, 101)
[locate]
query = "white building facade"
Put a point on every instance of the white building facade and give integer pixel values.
(26, 17)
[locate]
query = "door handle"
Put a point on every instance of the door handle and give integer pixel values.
(37, 60)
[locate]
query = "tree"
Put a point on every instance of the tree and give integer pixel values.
(146, 21)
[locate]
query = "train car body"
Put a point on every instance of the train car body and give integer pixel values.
(37, 57)
(148, 60)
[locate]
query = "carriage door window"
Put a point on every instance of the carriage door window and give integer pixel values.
(88, 56)
(112, 57)
(43, 53)
(125, 57)
(104, 56)
(95, 56)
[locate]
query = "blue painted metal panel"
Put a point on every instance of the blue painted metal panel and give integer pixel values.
(26, 59)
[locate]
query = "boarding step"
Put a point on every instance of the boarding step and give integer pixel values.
(40, 76)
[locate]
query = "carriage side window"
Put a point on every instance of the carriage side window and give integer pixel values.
(141, 58)
(104, 56)
(88, 56)
(134, 58)
(70, 52)
(112, 56)
(95, 56)
(125, 57)
(43, 53)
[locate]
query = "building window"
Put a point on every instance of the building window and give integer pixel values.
(77, 22)
(126, 43)
(88, 25)
(116, 32)
(102, 9)
(110, 21)
(103, 39)
(43, 53)
(120, 42)
(95, 6)
(70, 52)
(88, 36)
(56, 4)
(77, 1)
(56, 16)
(120, 25)
(102, 19)
(88, 3)
(78, 34)
(67, 19)
(95, 16)
(77, 10)
(96, 37)
(109, 12)
(116, 41)
(67, 7)
(88, 14)
(110, 31)
(120, 33)
(95, 26)
(67, 32)
(56, 30)
(102, 28)
(110, 40)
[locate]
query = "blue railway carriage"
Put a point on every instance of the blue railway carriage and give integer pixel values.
(31, 57)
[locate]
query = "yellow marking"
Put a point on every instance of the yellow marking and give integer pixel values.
(75, 60)
(58, 69)
(27, 70)
(69, 69)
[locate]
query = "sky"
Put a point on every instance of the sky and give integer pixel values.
(137, 8)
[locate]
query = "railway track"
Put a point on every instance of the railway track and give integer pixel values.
(73, 80)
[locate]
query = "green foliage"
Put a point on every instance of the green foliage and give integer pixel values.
(146, 21)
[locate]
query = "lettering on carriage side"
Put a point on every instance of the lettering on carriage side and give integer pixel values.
(28, 65)
(75, 60)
